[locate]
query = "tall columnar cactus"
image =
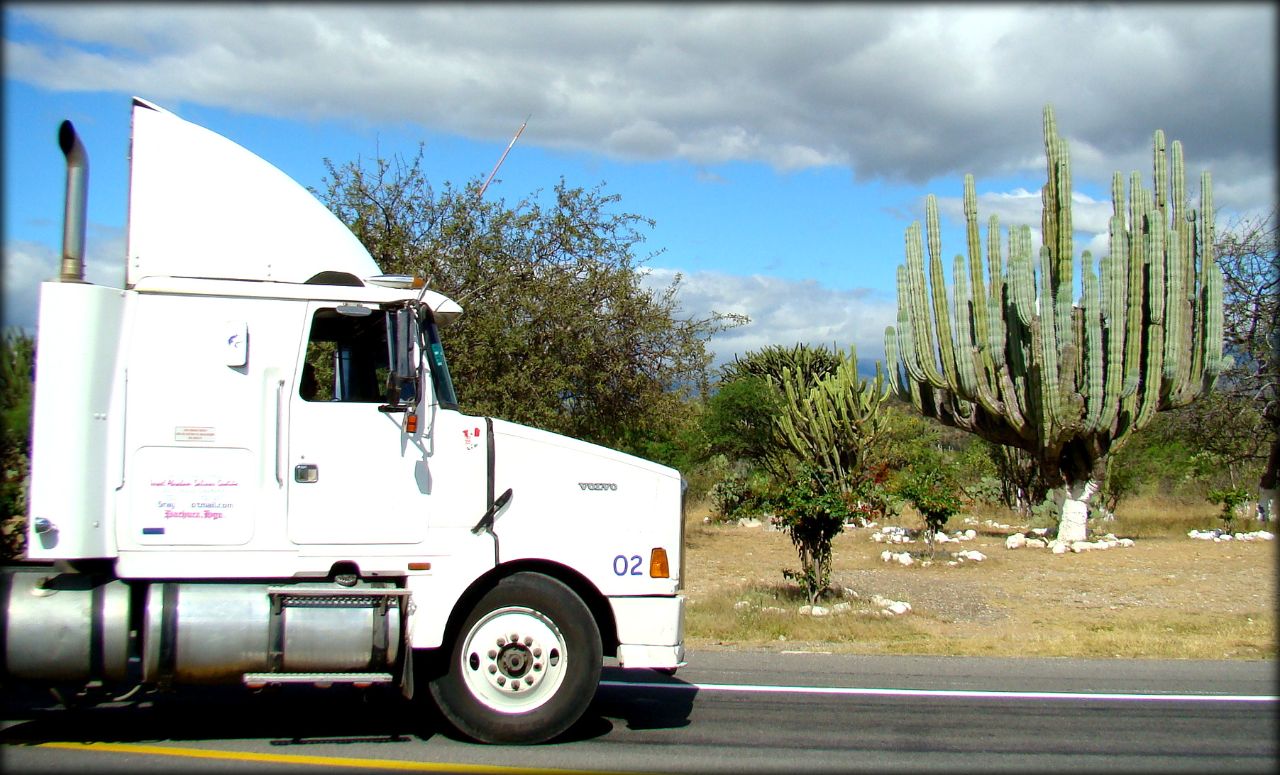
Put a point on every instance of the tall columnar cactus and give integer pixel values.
(1016, 359)
(831, 423)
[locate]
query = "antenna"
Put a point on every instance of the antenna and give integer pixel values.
(504, 156)
(489, 179)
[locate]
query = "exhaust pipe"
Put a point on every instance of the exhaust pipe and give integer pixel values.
(74, 217)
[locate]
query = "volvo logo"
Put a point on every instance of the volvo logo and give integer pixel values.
(597, 485)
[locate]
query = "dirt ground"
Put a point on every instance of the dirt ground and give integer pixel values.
(1165, 596)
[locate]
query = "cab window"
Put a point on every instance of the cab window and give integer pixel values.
(347, 358)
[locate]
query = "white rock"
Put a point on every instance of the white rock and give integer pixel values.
(1040, 531)
(969, 535)
(804, 610)
(886, 555)
(1015, 541)
(741, 604)
(1036, 543)
(840, 608)
(972, 554)
(877, 537)
(1125, 542)
(897, 607)
(1059, 547)
(905, 559)
(941, 538)
(818, 610)
(749, 522)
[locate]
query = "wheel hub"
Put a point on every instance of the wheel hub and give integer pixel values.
(514, 659)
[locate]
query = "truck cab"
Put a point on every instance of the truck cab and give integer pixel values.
(249, 465)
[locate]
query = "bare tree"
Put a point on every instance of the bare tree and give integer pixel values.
(1250, 263)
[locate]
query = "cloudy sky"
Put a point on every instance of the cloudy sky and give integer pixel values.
(782, 151)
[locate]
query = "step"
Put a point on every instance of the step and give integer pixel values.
(255, 680)
(337, 592)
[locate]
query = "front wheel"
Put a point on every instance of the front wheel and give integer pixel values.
(524, 665)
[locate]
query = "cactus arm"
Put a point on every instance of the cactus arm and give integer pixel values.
(1153, 345)
(978, 291)
(1094, 356)
(1177, 337)
(1056, 198)
(938, 291)
(922, 329)
(1136, 262)
(996, 300)
(966, 377)
(1213, 360)
(906, 330)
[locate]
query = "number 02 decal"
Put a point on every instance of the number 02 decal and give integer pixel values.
(627, 566)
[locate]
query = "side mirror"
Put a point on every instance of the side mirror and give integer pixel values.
(402, 375)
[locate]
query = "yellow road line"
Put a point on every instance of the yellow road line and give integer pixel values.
(322, 761)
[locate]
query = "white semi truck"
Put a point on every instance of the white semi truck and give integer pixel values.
(249, 467)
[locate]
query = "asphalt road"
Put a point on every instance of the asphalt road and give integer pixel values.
(726, 712)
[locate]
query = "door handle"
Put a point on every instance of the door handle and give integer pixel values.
(306, 473)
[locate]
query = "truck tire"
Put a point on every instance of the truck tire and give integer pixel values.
(524, 665)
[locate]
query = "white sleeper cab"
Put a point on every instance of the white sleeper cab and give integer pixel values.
(249, 466)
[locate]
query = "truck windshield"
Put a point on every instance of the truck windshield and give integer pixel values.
(439, 367)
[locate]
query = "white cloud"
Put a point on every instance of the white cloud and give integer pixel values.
(909, 92)
(27, 264)
(782, 312)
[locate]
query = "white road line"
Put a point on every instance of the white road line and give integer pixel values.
(961, 693)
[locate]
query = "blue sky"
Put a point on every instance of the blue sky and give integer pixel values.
(782, 151)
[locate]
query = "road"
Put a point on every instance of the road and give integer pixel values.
(726, 712)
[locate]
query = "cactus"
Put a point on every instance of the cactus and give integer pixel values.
(831, 422)
(1019, 361)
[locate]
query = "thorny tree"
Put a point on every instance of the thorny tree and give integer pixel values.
(559, 331)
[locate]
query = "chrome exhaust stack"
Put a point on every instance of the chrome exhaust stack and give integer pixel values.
(75, 215)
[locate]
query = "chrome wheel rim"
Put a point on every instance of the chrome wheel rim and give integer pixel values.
(514, 659)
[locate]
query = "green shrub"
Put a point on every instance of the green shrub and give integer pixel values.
(812, 512)
(934, 494)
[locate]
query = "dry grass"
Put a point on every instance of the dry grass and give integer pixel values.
(1168, 596)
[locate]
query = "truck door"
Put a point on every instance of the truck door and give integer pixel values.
(352, 469)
